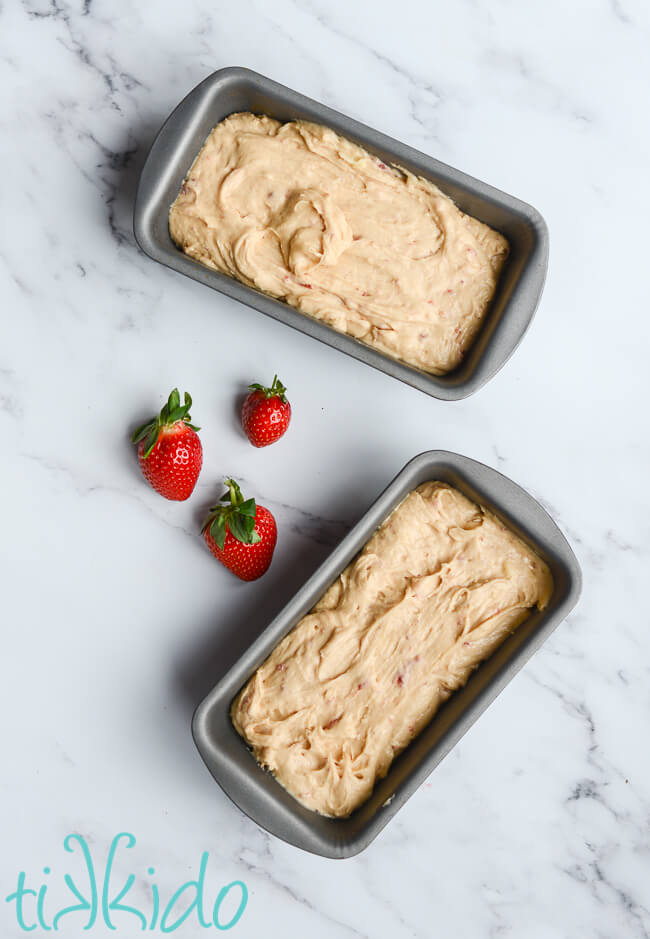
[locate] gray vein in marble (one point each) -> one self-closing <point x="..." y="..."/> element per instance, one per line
<point x="257" y="868"/>
<point x="10" y="401"/>
<point x="62" y="13"/>
<point x="593" y="875"/>
<point x="83" y="488"/>
<point x="116" y="161"/>
<point x="499" y="457"/>
<point x="592" y="555"/>
<point x="10" y="404"/>
<point x="318" y="528"/>
<point x="612" y="538"/>
<point x="603" y="769"/>
<point x="414" y="84"/>
<point x="65" y="757"/>
<point x="106" y="175"/>
<point x="514" y="62"/>
<point x="500" y="925"/>
<point x="289" y="36"/>
<point x="323" y="531"/>
<point x="591" y="789"/>
<point x="619" y="12"/>
<point x="53" y="10"/>
<point x="18" y="281"/>
<point x="391" y="908"/>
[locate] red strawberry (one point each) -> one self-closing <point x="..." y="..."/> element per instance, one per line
<point x="241" y="534"/>
<point x="266" y="413"/>
<point x="169" y="450"/>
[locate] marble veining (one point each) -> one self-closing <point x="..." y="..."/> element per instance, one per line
<point x="117" y="620"/>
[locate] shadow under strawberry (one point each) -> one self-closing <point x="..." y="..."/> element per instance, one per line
<point x="224" y="638"/>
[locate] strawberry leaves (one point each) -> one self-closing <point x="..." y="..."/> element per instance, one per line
<point x="172" y="412"/>
<point x="217" y="529"/>
<point x="235" y="514"/>
<point x="149" y="433"/>
<point x="276" y="388"/>
<point x="242" y="528"/>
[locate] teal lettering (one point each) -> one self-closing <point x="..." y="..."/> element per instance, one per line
<point x="115" y="905"/>
<point x="197" y="902"/>
<point x="80" y="907"/>
<point x="156" y="900"/>
<point x="39" y="905"/>
<point x="189" y="898"/>
<point x="223" y="893"/>
<point x="20" y="892"/>
<point x="83" y="904"/>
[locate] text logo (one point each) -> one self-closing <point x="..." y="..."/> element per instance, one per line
<point x="101" y="899"/>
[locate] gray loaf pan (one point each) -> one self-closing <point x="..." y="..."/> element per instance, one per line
<point x="237" y="89"/>
<point x="255" y="790"/>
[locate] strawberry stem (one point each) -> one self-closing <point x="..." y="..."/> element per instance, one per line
<point x="233" y="513"/>
<point x="275" y="389"/>
<point x="171" y="413"/>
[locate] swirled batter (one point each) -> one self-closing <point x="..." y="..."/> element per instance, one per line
<point x="433" y="593"/>
<point x="306" y="216"/>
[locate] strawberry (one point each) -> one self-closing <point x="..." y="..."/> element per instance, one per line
<point x="169" y="450"/>
<point x="266" y="413"/>
<point x="241" y="534"/>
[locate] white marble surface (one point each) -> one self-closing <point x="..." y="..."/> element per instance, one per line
<point x="116" y="620"/>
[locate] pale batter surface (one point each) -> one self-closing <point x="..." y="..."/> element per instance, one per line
<point x="304" y="215"/>
<point x="435" y="590"/>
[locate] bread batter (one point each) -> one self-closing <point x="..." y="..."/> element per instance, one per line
<point x="306" y="216"/>
<point x="433" y="593"/>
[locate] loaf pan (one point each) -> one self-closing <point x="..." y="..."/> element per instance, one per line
<point x="237" y="89"/>
<point x="255" y="790"/>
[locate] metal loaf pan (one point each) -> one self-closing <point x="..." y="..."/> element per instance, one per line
<point x="258" y="794"/>
<point x="237" y="89"/>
